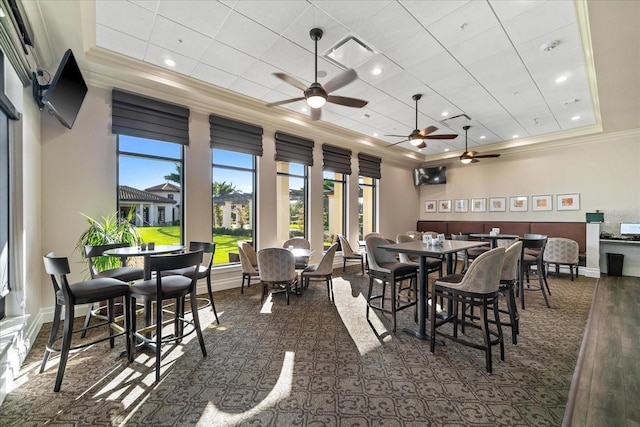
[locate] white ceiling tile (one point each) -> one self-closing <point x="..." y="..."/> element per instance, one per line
<point x="510" y="9"/>
<point x="213" y="75"/>
<point x="312" y="17"/>
<point x="262" y="73"/>
<point x="178" y="38"/>
<point x="351" y="12"/>
<point x="125" y="44"/>
<point x="541" y="20"/>
<point x="469" y="21"/>
<point x="379" y="61"/>
<point x="491" y="42"/>
<point x="226" y="58"/>
<point x="275" y="15"/>
<point x="398" y="26"/>
<point x="254" y="39"/>
<point x="291" y="58"/>
<point x="249" y="88"/>
<point x="205" y="17"/>
<point x="428" y="12"/>
<point x="422" y="47"/>
<point x="126" y="17"/>
<point x="157" y="55"/>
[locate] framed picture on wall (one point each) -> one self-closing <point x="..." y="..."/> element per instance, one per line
<point x="478" y="205"/>
<point x="430" y="206"/>
<point x="518" y="204"/>
<point x="568" y="202"/>
<point x="497" y="204"/>
<point x="444" y="206"/>
<point x="541" y="203"/>
<point x="461" y="205"/>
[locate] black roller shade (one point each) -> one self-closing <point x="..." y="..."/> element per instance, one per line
<point x="369" y="165"/>
<point x="233" y="135"/>
<point x="137" y="115"/>
<point x="336" y="159"/>
<point x="290" y="148"/>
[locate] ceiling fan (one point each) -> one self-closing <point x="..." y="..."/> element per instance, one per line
<point x="472" y="156"/>
<point x="317" y="95"/>
<point x="419" y="137"/>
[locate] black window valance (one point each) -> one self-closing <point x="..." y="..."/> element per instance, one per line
<point x="369" y="165"/>
<point x="290" y="148"/>
<point x="234" y="135"/>
<point x="336" y="159"/>
<point x="137" y="115"/>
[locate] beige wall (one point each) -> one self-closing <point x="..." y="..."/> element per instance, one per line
<point x="603" y="169"/>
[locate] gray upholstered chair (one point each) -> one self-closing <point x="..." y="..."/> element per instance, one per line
<point x="321" y="271"/>
<point x="301" y="243"/>
<point x="433" y="264"/>
<point x="348" y="254"/>
<point x="249" y="263"/>
<point x="508" y="280"/>
<point x="385" y="268"/>
<point x="561" y="251"/>
<point x="277" y="268"/>
<point x="478" y="287"/>
<point x="67" y="296"/>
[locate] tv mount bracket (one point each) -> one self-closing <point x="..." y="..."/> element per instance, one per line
<point x="38" y="89"/>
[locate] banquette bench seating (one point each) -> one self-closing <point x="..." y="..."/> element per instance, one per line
<point x="571" y="230"/>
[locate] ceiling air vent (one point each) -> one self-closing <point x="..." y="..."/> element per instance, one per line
<point x="349" y="53"/>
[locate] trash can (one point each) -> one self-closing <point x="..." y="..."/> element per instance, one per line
<point x="614" y="264"/>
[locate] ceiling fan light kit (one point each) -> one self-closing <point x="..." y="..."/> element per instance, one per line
<point x="472" y="156"/>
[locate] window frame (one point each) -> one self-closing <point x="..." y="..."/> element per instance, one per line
<point x="305" y="195"/>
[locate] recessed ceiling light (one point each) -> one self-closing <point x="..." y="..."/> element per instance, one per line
<point x="482" y="136"/>
<point x="170" y="62"/>
<point x="304" y="109"/>
<point x="561" y="79"/>
<point x="376" y="71"/>
<point x="375" y="134"/>
<point x="575" y="118"/>
<point x="445" y="113"/>
<point x="446" y="149"/>
<point x="515" y="136"/>
<point x="322" y="73"/>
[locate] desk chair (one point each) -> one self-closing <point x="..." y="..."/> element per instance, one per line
<point x="87" y="292"/>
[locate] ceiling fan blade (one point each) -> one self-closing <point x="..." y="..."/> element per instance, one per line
<point x="421" y="145"/>
<point x="292" y="81"/>
<point x="341" y="80"/>
<point x="426" y="131"/>
<point x="316" y="113"/>
<point x="442" y="136"/>
<point x="347" y="102"/>
<point x="286" y="101"/>
<point x="487" y="156"/>
<point x="474" y="160"/>
<point x="396" y="143"/>
<point x="399" y="136"/>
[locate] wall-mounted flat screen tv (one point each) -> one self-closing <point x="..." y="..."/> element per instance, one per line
<point x="430" y="176"/>
<point x="66" y="91"/>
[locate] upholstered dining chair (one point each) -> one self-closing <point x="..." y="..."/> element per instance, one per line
<point x="561" y="251"/>
<point x="433" y="264"/>
<point x="174" y="287"/>
<point x="67" y="296"/>
<point x="302" y="243"/>
<point x="321" y="271"/>
<point x="478" y="287"/>
<point x="122" y="272"/>
<point x="204" y="270"/>
<point x="348" y="254"/>
<point x="277" y="268"/>
<point x="508" y="280"/>
<point x="385" y="268"/>
<point x="249" y="263"/>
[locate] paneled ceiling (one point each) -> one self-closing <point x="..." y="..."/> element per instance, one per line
<point x="487" y="64"/>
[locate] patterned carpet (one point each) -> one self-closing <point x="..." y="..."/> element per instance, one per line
<point x="315" y="363"/>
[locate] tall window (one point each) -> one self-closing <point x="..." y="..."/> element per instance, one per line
<point x="233" y="194"/>
<point x="4" y="211"/>
<point x="367" y="206"/>
<point x="150" y="186"/>
<point x="292" y="200"/>
<point x="334" y="200"/>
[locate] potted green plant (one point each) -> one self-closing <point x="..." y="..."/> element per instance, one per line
<point x="110" y="229"/>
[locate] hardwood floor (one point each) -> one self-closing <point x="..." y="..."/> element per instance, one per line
<point x="605" y="390"/>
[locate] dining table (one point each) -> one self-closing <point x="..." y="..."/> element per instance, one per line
<point x="425" y="250"/>
<point x="494" y="237"/>
<point x="146" y="253"/>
